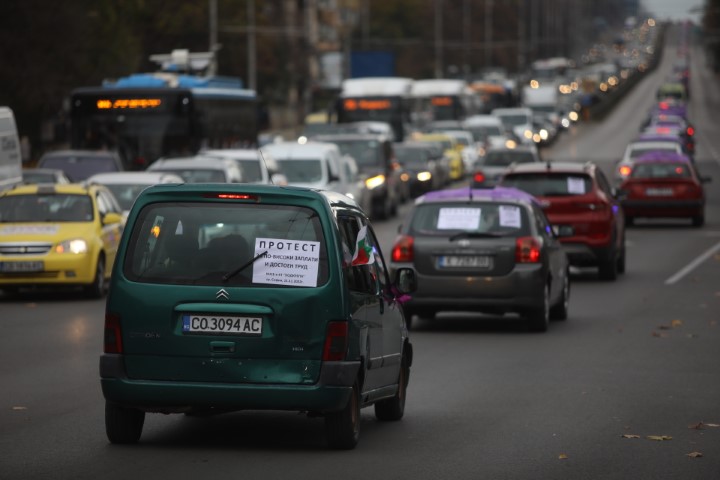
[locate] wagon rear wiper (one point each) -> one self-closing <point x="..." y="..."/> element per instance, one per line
<point x="232" y="273"/>
<point x="474" y="235"/>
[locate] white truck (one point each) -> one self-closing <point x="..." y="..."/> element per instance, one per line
<point x="10" y="156"/>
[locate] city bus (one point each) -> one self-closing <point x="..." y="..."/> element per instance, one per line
<point x="450" y="99"/>
<point x="148" y="116"/>
<point x="381" y="99"/>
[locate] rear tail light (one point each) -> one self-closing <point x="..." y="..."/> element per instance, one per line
<point x="403" y="249"/>
<point x="113" y="334"/>
<point x="479" y="177"/>
<point x="231" y="196"/>
<point x="336" y="342"/>
<point x="690" y="131"/>
<point x="527" y="250"/>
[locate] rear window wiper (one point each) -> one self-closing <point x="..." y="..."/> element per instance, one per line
<point x="474" y="235"/>
<point x="232" y="273"/>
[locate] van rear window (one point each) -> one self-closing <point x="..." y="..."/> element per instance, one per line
<point x="220" y="244"/>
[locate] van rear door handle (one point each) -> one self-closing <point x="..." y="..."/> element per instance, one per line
<point x="222" y="347"/>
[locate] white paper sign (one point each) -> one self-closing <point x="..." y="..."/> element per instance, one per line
<point x="458" y="219"/>
<point x="576" y="185"/>
<point x="287" y="262"/>
<point x="510" y="216"/>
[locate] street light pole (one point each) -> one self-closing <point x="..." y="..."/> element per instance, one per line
<point x="438" y="40"/>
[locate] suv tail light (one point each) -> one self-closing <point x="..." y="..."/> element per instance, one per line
<point x="403" y="249"/>
<point x="527" y="250"/>
<point x="690" y="131"/>
<point x="336" y="341"/>
<point x="113" y="334"/>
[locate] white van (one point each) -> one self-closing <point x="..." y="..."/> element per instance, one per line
<point x="10" y="156"/>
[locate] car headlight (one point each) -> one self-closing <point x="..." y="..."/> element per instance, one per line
<point x="76" y="245"/>
<point x="424" y="176"/>
<point x="528" y="134"/>
<point x="374" y="182"/>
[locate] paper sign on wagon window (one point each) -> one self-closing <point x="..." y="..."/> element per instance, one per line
<point x="458" y="219"/>
<point x="510" y="216"/>
<point x="576" y="185"/>
<point x="287" y="262"/>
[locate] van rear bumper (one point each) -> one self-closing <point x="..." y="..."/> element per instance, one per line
<point x="330" y="393"/>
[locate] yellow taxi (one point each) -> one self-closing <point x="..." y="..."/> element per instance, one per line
<point x="58" y="235"/>
<point x="451" y="152"/>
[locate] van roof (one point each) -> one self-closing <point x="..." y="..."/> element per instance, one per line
<point x="288" y="150"/>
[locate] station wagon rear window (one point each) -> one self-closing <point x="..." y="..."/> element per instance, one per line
<point x="491" y="218"/>
<point x="660" y="170"/>
<point x="550" y="184"/>
<point x="220" y="244"/>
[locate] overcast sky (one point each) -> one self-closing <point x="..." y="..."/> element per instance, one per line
<point x="674" y="9"/>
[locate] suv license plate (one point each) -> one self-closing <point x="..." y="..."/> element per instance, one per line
<point x="222" y="324"/>
<point x="465" y="261"/>
<point x="11" y="267"/>
<point x="659" y="192"/>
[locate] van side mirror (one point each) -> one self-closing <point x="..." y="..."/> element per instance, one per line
<point x="405" y="280"/>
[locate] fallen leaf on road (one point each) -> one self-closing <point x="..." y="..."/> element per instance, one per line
<point x="562" y="456"/>
<point x="694" y="454"/>
<point x="712" y="425"/>
<point x="628" y="435"/>
<point x="697" y="426"/>
<point x="676" y="323"/>
<point x="664" y="327"/>
<point x="659" y="438"/>
<point x="19" y="408"/>
<point x="660" y="335"/>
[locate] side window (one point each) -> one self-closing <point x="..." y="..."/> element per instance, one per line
<point x="359" y="279"/>
<point x="111" y="202"/>
<point x="603" y="183"/>
<point x="542" y="222"/>
<point x="103" y="207"/>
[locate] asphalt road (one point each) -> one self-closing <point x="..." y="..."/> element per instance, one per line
<point x="487" y="399"/>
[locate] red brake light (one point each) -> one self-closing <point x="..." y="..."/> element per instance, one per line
<point x="403" y="249"/>
<point x="479" y="177"/>
<point x="336" y="341"/>
<point x="231" y="196"/>
<point x="690" y="131"/>
<point x="527" y="250"/>
<point x="113" y="334"/>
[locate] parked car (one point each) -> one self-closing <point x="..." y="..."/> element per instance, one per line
<point x="253" y="297"/>
<point x="583" y="209"/>
<point x="490" y="168"/>
<point x="664" y="185"/>
<point x="58" y="236"/>
<point x="199" y="169"/>
<point x="374" y="156"/>
<point x="126" y="186"/>
<point x="44" y="175"/>
<point x="256" y="166"/>
<point x="78" y="165"/>
<point x="489" y="251"/>
<point x="320" y="165"/>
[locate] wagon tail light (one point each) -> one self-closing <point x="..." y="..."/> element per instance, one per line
<point x="690" y="131"/>
<point x="336" y="341"/>
<point x="479" y="177"/>
<point x="403" y="249"/>
<point x="527" y="250"/>
<point x="113" y="334"/>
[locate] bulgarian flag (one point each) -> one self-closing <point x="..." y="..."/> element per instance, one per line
<point x="363" y="251"/>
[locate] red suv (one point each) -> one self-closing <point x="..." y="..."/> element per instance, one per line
<point x="582" y="208"/>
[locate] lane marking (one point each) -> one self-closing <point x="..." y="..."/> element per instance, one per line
<point x="693" y="265"/>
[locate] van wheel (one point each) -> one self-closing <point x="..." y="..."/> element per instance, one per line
<point x="342" y="429"/>
<point x="123" y="425"/>
<point x="97" y="288"/>
<point x="393" y="408"/>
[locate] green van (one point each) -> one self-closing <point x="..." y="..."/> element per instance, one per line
<point x="228" y="297"/>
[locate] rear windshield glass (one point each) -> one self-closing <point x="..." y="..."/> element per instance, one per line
<point x="504" y="159"/>
<point x="550" y="184"/>
<point x="198" y="175"/>
<point x="80" y="168"/>
<point x="640" y="150"/>
<point x="215" y="244"/>
<point x="367" y="153"/>
<point x="660" y="170"/>
<point x="302" y="170"/>
<point x="446" y="219"/>
<point x="250" y="171"/>
<point x="480" y="133"/>
<point x="126" y="194"/>
<point x="411" y="156"/>
<point x="46" y="208"/>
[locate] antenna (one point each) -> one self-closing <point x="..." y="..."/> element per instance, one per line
<point x="262" y="157"/>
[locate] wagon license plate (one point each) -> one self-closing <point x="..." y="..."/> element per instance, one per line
<point x="27" y="266"/>
<point x="659" y="192"/>
<point x="465" y="261"/>
<point x="222" y="324"/>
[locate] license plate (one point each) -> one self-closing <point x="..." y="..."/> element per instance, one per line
<point x="222" y="324"/>
<point x="659" y="192"/>
<point x="28" y="266"/>
<point x="465" y="261"/>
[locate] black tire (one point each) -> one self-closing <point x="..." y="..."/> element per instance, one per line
<point x="621" y="260"/>
<point x="559" y="311"/>
<point x="539" y="318"/>
<point x="608" y="269"/>
<point x="393" y="409"/>
<point x="629" y="221"/>
<point x="342" y="429"/>
<point x="97" y="288"/>
<point x="123" y="425"/>
<point x="698" y="221"/>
